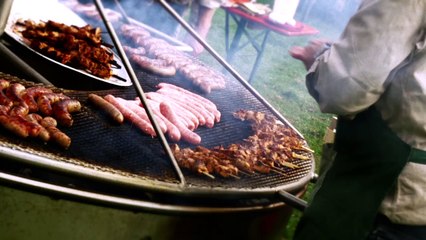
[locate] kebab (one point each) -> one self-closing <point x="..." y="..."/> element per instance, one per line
<point x="79" y="47"/>
<point x="272" y="147"/>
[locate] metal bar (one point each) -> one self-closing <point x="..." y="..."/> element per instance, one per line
<point x="138" y="89"/>
<point x="21" y="65"/>
<point x="5" y="7"/>
<point x="225" y="64"/>
<point x="121" y="10"/>
<point x="8" y="55"/>
<point x="118" y="201"/>
<point x="293" y="201"/>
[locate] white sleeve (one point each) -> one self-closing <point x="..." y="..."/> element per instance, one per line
<point x="354" y="72"/>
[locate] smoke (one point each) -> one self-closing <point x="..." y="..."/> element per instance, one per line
<point x="329" y="16"/>
<point x="152" y="13"/>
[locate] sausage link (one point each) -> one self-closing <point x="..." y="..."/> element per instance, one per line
<point x="143" y="125"/>
<point x="197" y="98"/>
<point x="140" y="111"/>
<point x="106" y="106"/>
<point x="187" y="135"/>
<point x="44" y="134"/>
<point x="31" y="94"/>
<point x="62" y="111"/>
<point x="188" y="117"/>
<point x="172" y="131"/>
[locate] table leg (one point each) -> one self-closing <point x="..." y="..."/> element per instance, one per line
<point x="259" y="57"/>
<point x="236" y="40"/>
<point x="227" y="33"/>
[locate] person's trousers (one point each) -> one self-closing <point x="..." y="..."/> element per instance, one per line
<point x="384" y="229"/>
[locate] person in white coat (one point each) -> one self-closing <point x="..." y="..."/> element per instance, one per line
<point x="374" y="78"/>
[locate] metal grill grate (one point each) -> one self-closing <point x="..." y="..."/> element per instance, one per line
<point x="104" y="145"/>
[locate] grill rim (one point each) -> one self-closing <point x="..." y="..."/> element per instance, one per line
<point x="150" y="184"/>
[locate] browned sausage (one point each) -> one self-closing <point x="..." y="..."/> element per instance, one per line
<point x="4" y="100"/>
<point x="20" y="126"/>
<point x="48" y="122"/>
<point x="156" y="66"/>
<point x="13" y="125"/>
<point x="14" y="91"/>
<point x="106" y="106"/>
<point x="45" y="102"/>
<point x="44" y="134"/>
<point x="31" y="94"/>
<point x="59" y="137"/>
<point x="19" y="110"/>
<point x="56" y="135"/>
<point x="62" y="111"/>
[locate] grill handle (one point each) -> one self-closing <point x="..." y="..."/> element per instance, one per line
<point x="292" y="200"/>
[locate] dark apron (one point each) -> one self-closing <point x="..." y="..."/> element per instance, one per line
<point x="368" y="161"/>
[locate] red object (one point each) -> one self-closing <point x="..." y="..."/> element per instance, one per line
<point x="286" y="29"/>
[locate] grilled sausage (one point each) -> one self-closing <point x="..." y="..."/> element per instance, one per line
<point x="192" y="105"/>
<point x="62" y="111"/>
<point x="48" y="122"/>
<point x="156" y="66"/>
<point x="145" y="126"/>
<point x="19" y="110"/>
<point x="20" y="126"/>
<point x="140" y="111"/>
<point x="45" y="102"/>
<point x="31" y="94"/>
<point x="4" y="100"/>
<point x="14" y="125"/>
<point x="44" y="134"/>
<point x="190" y="120"/>
<point x="196" y="98"/>
<point x="56" y="135"/>
<point x="14" y="91"/>
<point x="172" y="131"/>
<point x="49" y="131"/>
<point x="106" y="106"/>
<point x="187" y="135"/>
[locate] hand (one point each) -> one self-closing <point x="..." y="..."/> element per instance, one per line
<point x="308" y="53"/>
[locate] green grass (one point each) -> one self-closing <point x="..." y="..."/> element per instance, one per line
<point x="280" y="79"/>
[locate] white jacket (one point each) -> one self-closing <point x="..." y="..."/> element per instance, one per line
<point x="380" y="60"/>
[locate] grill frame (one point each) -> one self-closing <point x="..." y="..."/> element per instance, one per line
<point x="37" y="154"/>
<point x="237" y="92"/>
